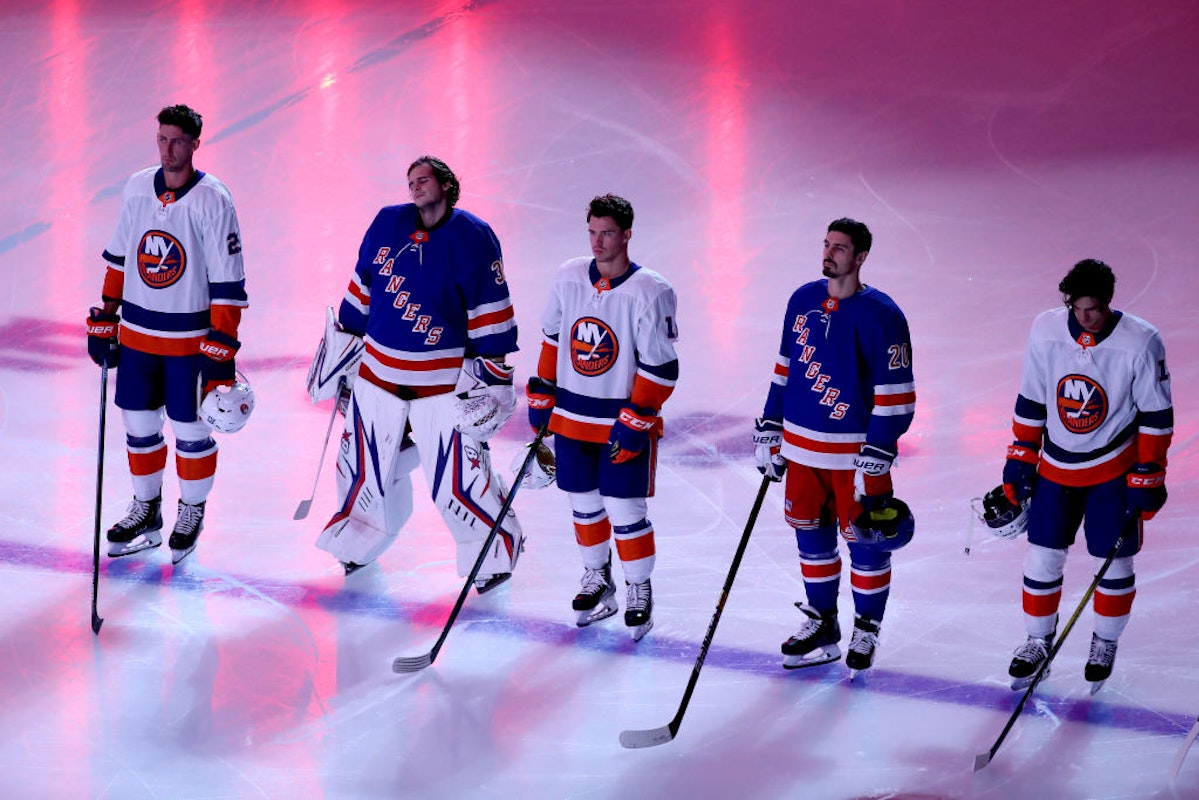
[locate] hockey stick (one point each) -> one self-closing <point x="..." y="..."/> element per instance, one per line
<point x="417" y="663"/>
<point x="657" y="736"/>
<point x="1182" y="751"/>
<point x="96" y="620"/>
<point x="305" y="505"/>
<point x="982" y="759"/>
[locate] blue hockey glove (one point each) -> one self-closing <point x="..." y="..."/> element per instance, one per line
<point x="102" y="342"/>
<point x="1020" y="471"/>
<point x="1146" y="490"/>
<point x="768" y="447"/>
<point x="540" y="394"/>
<point x="218" y="369"/>
<point x="630" y="433"/>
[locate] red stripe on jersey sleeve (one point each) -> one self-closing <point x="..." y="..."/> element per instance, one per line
<point x="114" y="284"/>
<point x="547" y="362"/>
<point x="1151" y="448"/>
<point x="492" y="318"/>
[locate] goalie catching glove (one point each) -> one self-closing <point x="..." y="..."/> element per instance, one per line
<point x="482" y="410"/>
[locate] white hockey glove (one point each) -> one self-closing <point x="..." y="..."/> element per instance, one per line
<point x="768" y="446"/>
<point x="337" y="357"/>
<point x="481" y="411"/>
<point x="542" y="470"/>
<point x="872" y="473"/>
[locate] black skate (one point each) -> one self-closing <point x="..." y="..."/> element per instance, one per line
<point x="815" y="642"/>
<point x="139" y="530"/>
<point x="350" y="567"/>
<point x="188" y="525"/>
<point x="596" y="599"/>
<point x="1100" y="661"/>
<point x="862" y="645"/>
<point x="1029" y="658"/>
<point x="639" y="608"/>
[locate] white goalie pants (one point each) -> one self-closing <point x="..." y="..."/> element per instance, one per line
<point x="375" y="490"/>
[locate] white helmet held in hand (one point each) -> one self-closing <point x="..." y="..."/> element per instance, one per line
<point x="227" y="408"/>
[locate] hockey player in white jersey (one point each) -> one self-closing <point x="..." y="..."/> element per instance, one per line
<point x="429" y="304"/>
<point x="174" y="269"/>
<point x="1092" y="424"/>
<point x="607" y="365"/>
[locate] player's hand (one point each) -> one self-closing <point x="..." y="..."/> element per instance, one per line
<point x="219" y="368"/>
<point x="768" y="448"/>
<point x="1020" y="471"/>
<point x="1146" y="490"/>
<point x="872" y="471"/>
<point x="102" y="337"/>
<point x="540" y="394"/>
<point x="630" y="433"/>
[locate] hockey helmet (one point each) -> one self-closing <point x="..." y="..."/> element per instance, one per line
<point x="1005" y="519"/>
<point x="889" y="526"/>
<point x="543" y="469"/>
<point x="227" y="408"/>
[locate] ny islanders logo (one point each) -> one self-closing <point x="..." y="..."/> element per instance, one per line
<point x="593" y="346"/>
<point x="1081" y="403"/>
<point x="160" y="259"/>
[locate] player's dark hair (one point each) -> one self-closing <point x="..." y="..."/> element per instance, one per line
<point x="857" y="232"/>
<point x="613" y="206"/>
<point x="184" y="118"/>
<point x="1088" y="278"/>
<point x="445" y="176"/>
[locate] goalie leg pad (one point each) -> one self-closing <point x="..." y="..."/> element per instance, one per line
<point x="465" y="489"/>
<point x="374" y="490"/>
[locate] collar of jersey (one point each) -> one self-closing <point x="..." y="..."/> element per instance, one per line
<point x="160" y="185"/>
<point x="593" y="274"/>
<point x="1076" y="329"/>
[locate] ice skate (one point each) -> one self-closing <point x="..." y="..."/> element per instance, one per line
<point x="188" y="525"/>
<point x="485" y="583"/>
<point x="862" y="646"/>
<point x="639" y="608"/>
<point x="1100" y="662"/>
<point x="1028" y="659"/>
<point x="815" y="642"/>
<point x="596" y="599"/>
<point x="350" y="567"/>
<point x="141" y="528"/>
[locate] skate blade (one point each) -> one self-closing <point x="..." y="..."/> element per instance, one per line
<point x="1097" y="685"/>
<point x="1020" y="684"/>
<point x="595" y="615"/>
<point x="179" y="555"/>
<point x="637" y="631"/>
<point x="143" y="542"/>
<point x="853" y="673"/>
<point x="485" y="585"/>
<point x="823" y="655"/>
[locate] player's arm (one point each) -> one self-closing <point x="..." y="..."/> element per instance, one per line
<point x="768" y="428"/>
<point x="227" y="299"/>
<point x="1155" y="430"/>
<point x="893" y="398"/>
<point x="657" y="372"/>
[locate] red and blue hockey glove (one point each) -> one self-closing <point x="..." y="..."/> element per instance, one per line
<point x="540" y="394"/>
<point x="102" y="343"/>
<point x="218" y="369"/>
<point x="1146" y="490"/>
<point x="768" y="448"/>
<point x="630" y="433"/>
<point x="1020" y="471"/>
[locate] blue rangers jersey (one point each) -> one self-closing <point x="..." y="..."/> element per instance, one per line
<point x="843" y="376"/>
<point x="425" y="300"/>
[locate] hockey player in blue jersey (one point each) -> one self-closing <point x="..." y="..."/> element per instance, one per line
<point x="841" y="395"/>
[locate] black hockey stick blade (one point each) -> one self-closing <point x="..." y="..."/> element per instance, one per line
<point x="97" y="621"/>
<point x="656" y="736"/>
<point x="417" y="663"/>
<point x="1179" y="757"/>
